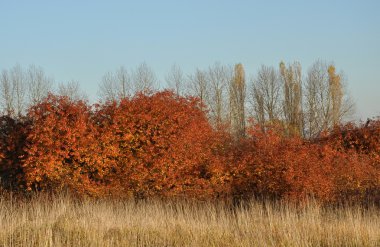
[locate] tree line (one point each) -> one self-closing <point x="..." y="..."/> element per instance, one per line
<point x="214" y="135"/>
<point x="20" y="88"/>
<point x="305" y="104"/>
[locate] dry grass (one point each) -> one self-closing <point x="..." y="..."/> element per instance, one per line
<point x="63" y="221"/>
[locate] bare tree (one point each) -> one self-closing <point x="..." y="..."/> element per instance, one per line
<point x="124" y="83"/>
<point x="198" y="85"/>
<point x="324" y="95"/>
<point x="257" y="100"/>
<point x="13" y="91"/>
<point x="108" y="87"/>
<point x="71" y="90"/>
<point x="237" y="101"/>
<point x="219" y="77"/>
<point x="19" y="89"/>
<point x="6" y="93"/>
<point x="116" y="85"/>
<point x="38" y="83"/>
<point x="326" y="100"/>
<point x="175" y="79"/>
<point x="144" y="78"/>
<point x="317" y="100"/>
<point x="292" y="105"/>
<point x="347" y="104"/>
<point x="265" y="96"/>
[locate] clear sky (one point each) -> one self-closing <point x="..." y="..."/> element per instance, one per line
<point x="82" y="40"/>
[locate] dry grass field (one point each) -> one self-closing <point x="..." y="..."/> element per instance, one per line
<point x="63" y="221"/>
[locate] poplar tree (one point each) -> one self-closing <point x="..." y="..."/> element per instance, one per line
<point x="237" y="101"/>
<point x="292" y="105"/>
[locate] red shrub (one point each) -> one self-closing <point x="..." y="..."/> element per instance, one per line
<point x="62" y="149"/>
<point x="12" y="140"/>
<point x="162" y="144"/>
<point x="271" y="164"/>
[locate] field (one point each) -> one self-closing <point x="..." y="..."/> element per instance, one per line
<point x="62" y="220"/>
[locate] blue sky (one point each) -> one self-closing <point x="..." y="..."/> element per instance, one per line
<point x="82" y="40"/>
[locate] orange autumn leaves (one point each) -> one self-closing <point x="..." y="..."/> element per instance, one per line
<point x="327" y="169"/>
<point x="61" y="148"/>
<point x="163" y="145"/>
<point x="144" y="146"/>
<point x="160" y="144"/>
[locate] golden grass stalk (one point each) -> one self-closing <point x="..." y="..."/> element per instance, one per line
<point x="61" y="220"/>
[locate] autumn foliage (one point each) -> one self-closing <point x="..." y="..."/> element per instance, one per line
<point x="162" y="145"/>
<point x="274" y="165"/>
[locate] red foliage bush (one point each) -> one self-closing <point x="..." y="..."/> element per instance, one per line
<point x="145" y="146"/>
<point x="163" y="145"/>
<point x="12" y="141"/>
<point x="272" y="165"/>
<point x="359" y="174"/>
<point x="61" y="148"/>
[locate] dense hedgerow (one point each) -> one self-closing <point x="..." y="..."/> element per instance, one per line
<point x="162" y="145"/>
